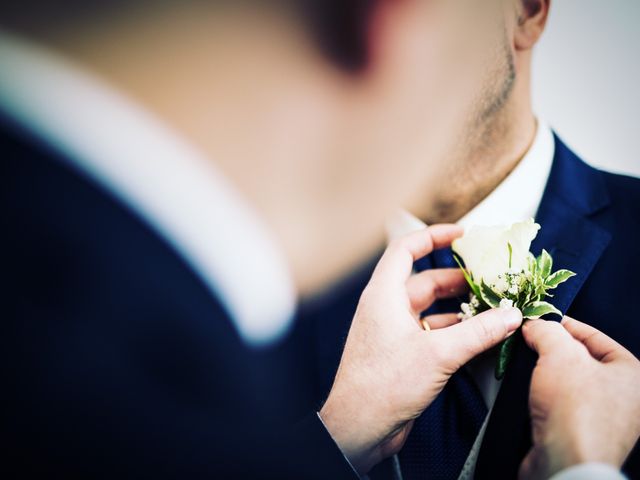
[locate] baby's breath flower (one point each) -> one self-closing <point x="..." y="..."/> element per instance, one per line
<point x="467" y="311"/>
<point x="474" y="302"/>
<point x="502" y="285"/>
<point x="506" y="303"/>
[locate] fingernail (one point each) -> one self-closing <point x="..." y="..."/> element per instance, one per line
<point x="512" y="318"/>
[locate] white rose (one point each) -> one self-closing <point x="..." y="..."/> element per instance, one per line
<point x="485" y="250"/>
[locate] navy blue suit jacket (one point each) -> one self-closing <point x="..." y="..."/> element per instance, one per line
<point x="591" y="225"/>
<point x="116" y="361"/>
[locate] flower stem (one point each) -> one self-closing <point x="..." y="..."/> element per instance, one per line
<point x="506" y="352"/>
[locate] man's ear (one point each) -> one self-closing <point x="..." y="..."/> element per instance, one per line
<point x="532" y="19"/>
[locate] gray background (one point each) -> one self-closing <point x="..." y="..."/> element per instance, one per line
<point x="586" y="80"/>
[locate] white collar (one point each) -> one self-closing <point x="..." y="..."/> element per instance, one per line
<point x="170" y="184"/>
<point x="516" y="199"/>
<point x="518" y="196"/>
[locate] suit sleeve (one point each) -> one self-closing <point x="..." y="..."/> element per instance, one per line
<point x="315" y="449"/>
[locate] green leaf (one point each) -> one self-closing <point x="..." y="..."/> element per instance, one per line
<point x="545" y="264"/>
<point x="533" y="264"/>
<point x="558" y="277"/>
<point x="538" y="309"/>
<point x="490" y="297"/>
<point x="474" y="288"/>
<point x="540" y="290"/>
<point x="504" y="357"/>
<point x="510" y="253"/>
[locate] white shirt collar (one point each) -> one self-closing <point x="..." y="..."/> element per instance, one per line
<point x="516" y="199"/>
<point x="168" y="182"/>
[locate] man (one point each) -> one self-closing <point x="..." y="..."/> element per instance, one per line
<point x="509" y="167"/>
<point x="169" y="175"/>
<point x="144" y="294"/>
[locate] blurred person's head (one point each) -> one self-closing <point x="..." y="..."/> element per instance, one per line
<point x="326" y="114"/>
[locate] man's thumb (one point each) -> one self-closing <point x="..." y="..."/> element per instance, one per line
<point x="545" y="337"/>
<point x="469" y="338"/>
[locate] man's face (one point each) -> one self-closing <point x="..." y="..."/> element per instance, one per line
<point x="437" y="69"/>
<point x="356" y="146"/>
<point x="433" y="82"/>
<point x="486" y="116"/>
<point x="478" y="72"/>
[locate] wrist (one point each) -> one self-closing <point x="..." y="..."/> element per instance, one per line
<point x="601" y="471"/>
<point x="587" y="448"/>
<point x="546" y="461"/>
<point x="351" y="436"/>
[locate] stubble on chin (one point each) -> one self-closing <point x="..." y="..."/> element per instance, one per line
<point x="472" y="173"/>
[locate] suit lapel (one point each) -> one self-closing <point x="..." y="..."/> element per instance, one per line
<point x="574" y="192"/>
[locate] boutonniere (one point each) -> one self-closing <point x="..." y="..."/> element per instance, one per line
<point x="502" y="272"/>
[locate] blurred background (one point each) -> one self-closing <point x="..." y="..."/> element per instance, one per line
<point x="586" y="80"/>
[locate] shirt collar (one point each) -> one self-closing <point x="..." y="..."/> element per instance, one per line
<point x="171" y="185"/>
<point x="516" y="199"/>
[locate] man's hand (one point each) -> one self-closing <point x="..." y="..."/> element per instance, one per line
<point x="584" y="400"/>
<point x="394" y="364"/>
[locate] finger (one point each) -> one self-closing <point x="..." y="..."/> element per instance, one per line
<point x="528" y="465"/>
<point x="546" y="337"/>
<point x="396" y="263"/>
<point x="461" y="342"/>
<point x="425" y="287"/>
<point x="440" y="320"/>
<point x="600" y="346"/>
